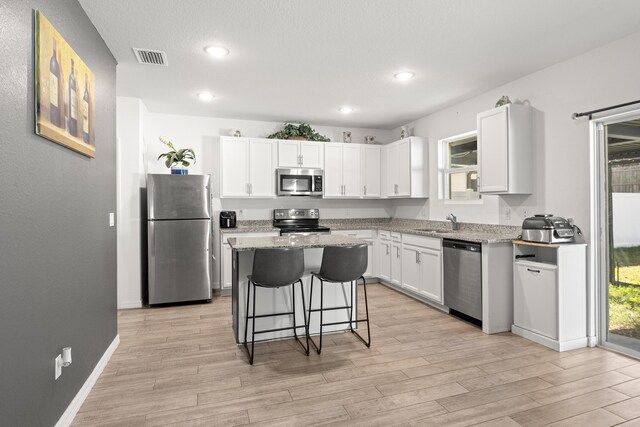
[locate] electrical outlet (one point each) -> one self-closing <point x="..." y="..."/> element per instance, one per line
<point x="525" y="213"/>
<point x="507" y="214"/>
<point x="58" y="365"/>
<point x="112" y="219"/>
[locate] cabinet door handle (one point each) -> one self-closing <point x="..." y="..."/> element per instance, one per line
<point x="365" y="190"/>
<point x="387" y="247"/>
<point x="418" y="256"/>
<point x="397" y="251"/>
<point x="533" y="271"/>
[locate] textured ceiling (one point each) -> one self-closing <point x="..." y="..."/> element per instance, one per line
<point x="300" y="60"/>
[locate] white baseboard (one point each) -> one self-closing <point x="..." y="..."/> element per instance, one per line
<point x="70" y="413"/>
<point x="129" y="304"/>
<point x="551" y="343"/>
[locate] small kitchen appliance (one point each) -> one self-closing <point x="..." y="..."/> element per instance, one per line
<point x="227" y="219"/>
<point x="546" y="228"/>
<point x="299" y="182"/>
<point x="301" y="222"/>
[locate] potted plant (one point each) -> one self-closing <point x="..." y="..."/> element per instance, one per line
<point x="177" y="160"/>
<point x="301" y="132"/>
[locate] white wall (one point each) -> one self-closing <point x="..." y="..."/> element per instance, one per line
<point x="626" y="231"/>
<point x="130" y="114"/>
<point x="599" y="78"/>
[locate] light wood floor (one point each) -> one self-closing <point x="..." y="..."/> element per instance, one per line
<point x="180" y="366"/>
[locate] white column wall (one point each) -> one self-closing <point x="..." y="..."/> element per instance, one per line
<point x="130" y="175"/>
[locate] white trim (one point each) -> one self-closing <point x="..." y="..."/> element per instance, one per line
<point x="129" y="304"/>
<point x="597" y="309"/>
<point x="70" y="413"/>
<point x="549" y="342"/>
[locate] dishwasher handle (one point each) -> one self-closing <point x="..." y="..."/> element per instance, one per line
<point x="461" y="245"/>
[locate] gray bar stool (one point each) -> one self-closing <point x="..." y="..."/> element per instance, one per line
<point x="276" y="268"/>
<point x="341" y="264"/>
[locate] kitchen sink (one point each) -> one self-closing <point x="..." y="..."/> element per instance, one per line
<point x="428" y="230"/>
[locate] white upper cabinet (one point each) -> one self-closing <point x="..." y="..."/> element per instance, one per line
<point x="407" y="168"/>
<point x="370" y="155"/>
<point x="262" y="158"/>
<point x="247" y="167"/>
<point x="342" y="170"/>
<point x="505" y="150"/>
<point x="300" y="154"/>
<point x="234" y="167"/>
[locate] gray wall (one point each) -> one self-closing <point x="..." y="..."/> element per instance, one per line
<point x="57" y="253"/>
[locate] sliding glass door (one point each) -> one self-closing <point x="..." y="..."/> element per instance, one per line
<point x="620" y="281"/>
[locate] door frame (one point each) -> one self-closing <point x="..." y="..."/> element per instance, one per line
<point x="597" y="295"/>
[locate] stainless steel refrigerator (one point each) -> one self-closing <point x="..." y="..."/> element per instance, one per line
<point x="179" y="238"/>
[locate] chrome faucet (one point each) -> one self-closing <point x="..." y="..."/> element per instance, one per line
<point x="454" y="221"/>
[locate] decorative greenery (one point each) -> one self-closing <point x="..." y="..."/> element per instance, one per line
<point x="302" y="130"/>
<point x="175" y="156"/>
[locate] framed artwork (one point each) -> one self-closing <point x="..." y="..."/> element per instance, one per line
<point x="65" y="91"/>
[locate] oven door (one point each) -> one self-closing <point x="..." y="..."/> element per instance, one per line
<point x="296" y="182"/>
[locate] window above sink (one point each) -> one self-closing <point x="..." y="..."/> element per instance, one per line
<point x="458" y="168"/>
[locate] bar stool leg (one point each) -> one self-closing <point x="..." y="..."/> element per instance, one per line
<point x="304" y="317"/>
<point x="246" y="314"/>
<point x="309" y="339"/>
<point x="321" y="311"/>
<point x="366" y="309"/>
<point x="350" y="309"/>
<point x="253" y="327"/>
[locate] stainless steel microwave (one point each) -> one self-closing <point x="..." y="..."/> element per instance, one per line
<point x="299" y="182"/>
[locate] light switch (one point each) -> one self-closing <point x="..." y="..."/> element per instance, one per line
<point x="112" y="219"/>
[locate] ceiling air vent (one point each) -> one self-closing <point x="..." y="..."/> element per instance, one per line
<point x="152" y="57"/>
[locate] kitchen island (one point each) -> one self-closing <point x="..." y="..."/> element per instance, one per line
<point x="278" y="300"/>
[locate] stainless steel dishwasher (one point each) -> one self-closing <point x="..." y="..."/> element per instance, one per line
<point x="463" y="279"/>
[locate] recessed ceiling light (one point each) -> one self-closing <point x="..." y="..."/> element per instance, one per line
<point x="404" y="76"/>
<point x="345" y="110"/>
<point x="217" y="51"/>
<point x="205" y="96"/>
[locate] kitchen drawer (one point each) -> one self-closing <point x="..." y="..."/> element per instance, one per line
<point x="385" y="235"/>
<point x="535" y="297"/>
<point x="396" y="237"/>
<point x="358" y="234"/>
<point x="422" y="241"/>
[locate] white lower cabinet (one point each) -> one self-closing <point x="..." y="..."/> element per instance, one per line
<point x="534" y="296"/>
<point x="384" y="256"/>
<point x="395" y="275"/>
<point x="226" y="256"/>
<point x="422" y="266"/>
<point x="369" y="236"/>
<point x="549" y="294"/>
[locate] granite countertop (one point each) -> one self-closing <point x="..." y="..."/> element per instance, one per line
<point x="305" y="242"/>
<point x="479" y="233"/>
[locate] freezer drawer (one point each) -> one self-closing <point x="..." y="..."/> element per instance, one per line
<point x="179" y="261"/>
<point x="178" y="196"/>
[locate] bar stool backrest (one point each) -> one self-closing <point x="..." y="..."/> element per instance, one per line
<point x="343" y="263"/>
<point x="273" y="268"/>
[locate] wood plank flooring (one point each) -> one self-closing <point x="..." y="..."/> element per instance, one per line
<point x="180" y="366"/>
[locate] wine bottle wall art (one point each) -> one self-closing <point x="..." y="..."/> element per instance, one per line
<point x="65" y="91"/>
